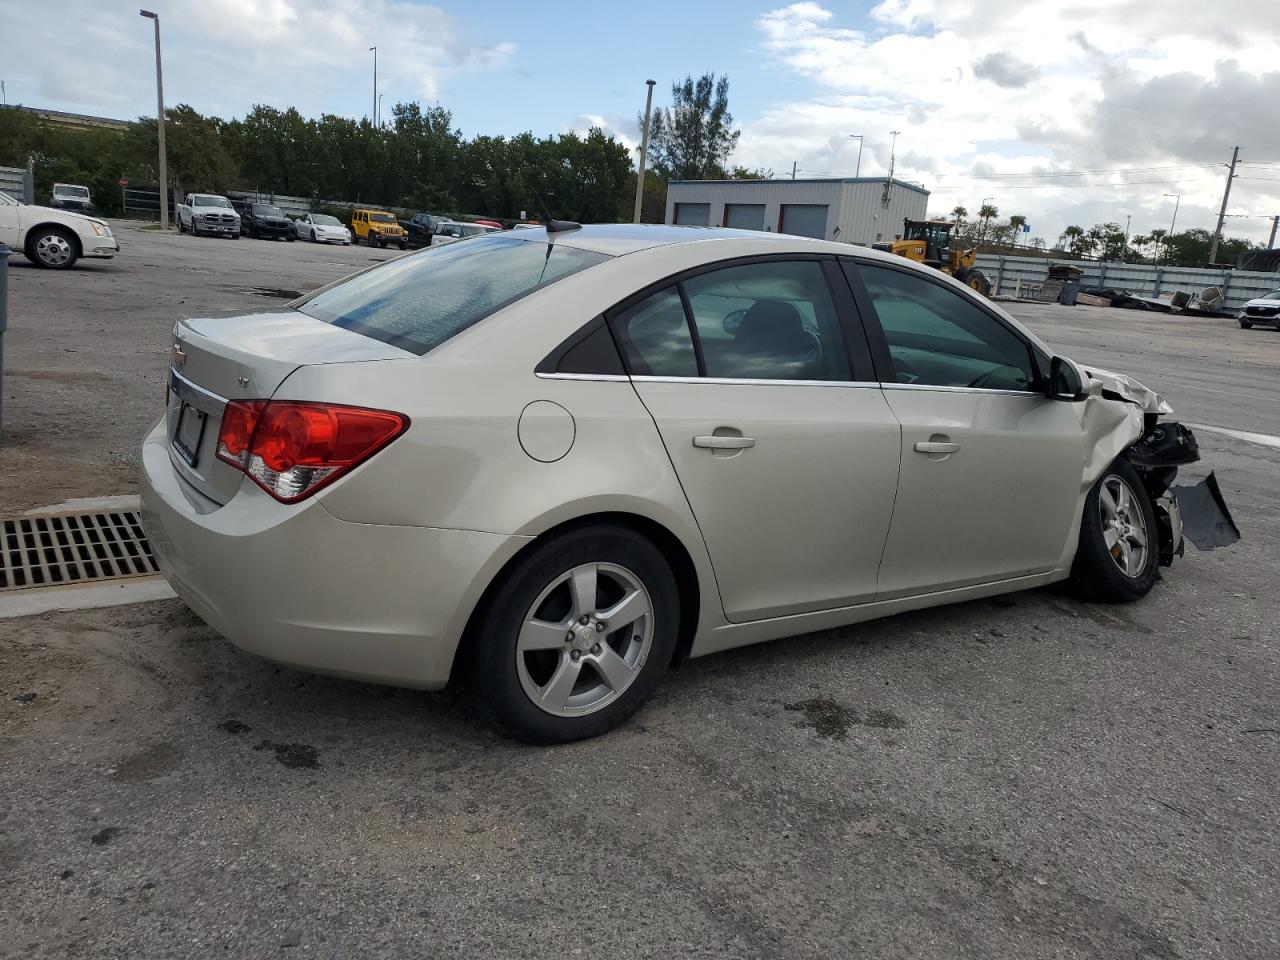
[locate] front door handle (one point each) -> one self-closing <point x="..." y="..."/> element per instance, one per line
<point x="724" y="443"/>
<point x="936" y="446"/>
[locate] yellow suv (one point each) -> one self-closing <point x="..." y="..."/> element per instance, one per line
<point x="377" y="228"/>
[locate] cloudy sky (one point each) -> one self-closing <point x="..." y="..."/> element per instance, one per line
<point x="1066" y="111"/>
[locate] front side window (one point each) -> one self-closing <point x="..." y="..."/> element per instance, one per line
<point x="938" y="338"/>
<point x="655" y="337"/>
<point x="420" y="301"/>
<point x="771" y="320"/>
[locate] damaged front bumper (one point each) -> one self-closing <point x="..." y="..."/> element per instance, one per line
<point x="1198" y="511"/>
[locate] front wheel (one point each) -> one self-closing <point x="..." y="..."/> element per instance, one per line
<point x="977" y="280"/>
<point x="1248" y="326"/>
<point x="578" y="635"/>
<point x="1118" y="558"/>
<point x="404" y="245"/>
<point x="53" y="248"/>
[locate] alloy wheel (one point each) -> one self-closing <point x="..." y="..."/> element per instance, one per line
<point x="1124" y="526"/>
<point x="585" y="639"/>
<point x="53" y="249"/>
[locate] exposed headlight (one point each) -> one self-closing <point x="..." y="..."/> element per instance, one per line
<point x="100" y="229"/>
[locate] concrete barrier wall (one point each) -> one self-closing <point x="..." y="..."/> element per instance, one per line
<point x="1237" y="286"/>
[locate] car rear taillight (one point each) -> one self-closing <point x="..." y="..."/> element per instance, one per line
<point x="292" y="449"/>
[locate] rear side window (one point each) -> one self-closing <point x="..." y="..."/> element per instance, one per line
<point x="418" y="302"/>
<point x="773" y="320"/>
<point x="655" y="336"/>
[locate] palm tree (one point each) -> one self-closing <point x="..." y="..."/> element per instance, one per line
<point x="986" y="213"/>
<point x="958" y="214"/>
<point x="1016" y="223"/>
<point x="1139" y="243"/>
<point x="1159" y="240"/>
<point x="1075" y="240"/>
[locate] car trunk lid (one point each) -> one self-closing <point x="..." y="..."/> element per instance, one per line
<point x="246" y="357"/>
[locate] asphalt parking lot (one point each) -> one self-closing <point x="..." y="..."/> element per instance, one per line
<point x="1021" y="777"/>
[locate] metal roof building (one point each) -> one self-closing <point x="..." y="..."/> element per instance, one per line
<point x="853" y="209"/>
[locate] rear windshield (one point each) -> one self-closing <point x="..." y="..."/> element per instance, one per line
<point x="418" y="302"/>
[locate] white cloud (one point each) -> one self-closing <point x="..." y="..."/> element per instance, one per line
<point x="223" y="55"/>
<point x="1017" y="87"/>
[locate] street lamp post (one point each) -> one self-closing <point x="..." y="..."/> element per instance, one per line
<point x="644" y="152"/>
<point x="164" y="173"/>
<point x="857" y="169"/>
<point x="1177" y="200"/>
<point x="374" y="116"/>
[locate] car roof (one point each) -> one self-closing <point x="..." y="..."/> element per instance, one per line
<point x="619" y="239"/>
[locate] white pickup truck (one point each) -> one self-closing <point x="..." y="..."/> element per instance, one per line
<point x="208" y="213"/>
<point x="50" y="238"/>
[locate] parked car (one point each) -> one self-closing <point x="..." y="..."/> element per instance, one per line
<point x="571" y="460"/>
<point x="266" y="220"/>
<point x="54" y="239"/>
<point x="421" y="228"/>
<point x="321" y="228"/>
<point x="496" y="224"/>
<point x="71" y="196"/>
<point x="377" y="228"/>
<point x="1262" y="311"/>
<point x="208" y="213"/>
<point x="451" y="231"/>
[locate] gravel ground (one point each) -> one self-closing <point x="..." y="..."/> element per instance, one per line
<point x="1022" y="777"/>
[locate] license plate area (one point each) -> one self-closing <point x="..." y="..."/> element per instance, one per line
<point x="188" y="433"/>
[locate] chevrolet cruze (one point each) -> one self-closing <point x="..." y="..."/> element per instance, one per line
<point x="568" y="459"/>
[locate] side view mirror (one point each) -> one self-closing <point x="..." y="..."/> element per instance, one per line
<point x="1065" y="382"/>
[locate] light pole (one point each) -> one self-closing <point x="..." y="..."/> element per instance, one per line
<point x="1177" y="200"/>
<point x="857" y="169"/>
<point x="374" y="115"/>
<point x="1128" y="222"/>
<point x="644" y="151"/>
<point x="379" y="110"/>
<point x="164" y="173"/>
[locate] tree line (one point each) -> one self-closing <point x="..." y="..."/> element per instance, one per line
<point x="419" y="159"/>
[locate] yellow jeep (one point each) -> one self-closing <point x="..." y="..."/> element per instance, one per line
<point x="377" y="228"/>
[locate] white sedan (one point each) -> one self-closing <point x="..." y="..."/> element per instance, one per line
<point x="570" y="459"/>
<point x="322" y="228"/>
<point x="51" y="238"/>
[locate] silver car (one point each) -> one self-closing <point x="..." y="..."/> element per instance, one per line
<point x="569" y="460"/>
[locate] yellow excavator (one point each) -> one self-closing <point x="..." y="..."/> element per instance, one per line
<point x="929" y="242"/>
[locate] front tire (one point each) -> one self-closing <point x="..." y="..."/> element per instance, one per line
<point x="577" y="635"/>
<point x="1118" y="559"/>
<point x="53" y="248"/>
<point x="1249" y="326"/>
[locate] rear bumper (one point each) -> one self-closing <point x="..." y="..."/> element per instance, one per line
<point x="294" y="584"/>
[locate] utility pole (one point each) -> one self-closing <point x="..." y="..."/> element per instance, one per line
<point x="793" y="168"/>
<point x="1128" y="221"/>
<point x="644" y="150"/>
<point x="1222" y="214"/>
<point x="374" y="116"/>
<point x="1177" y="199"/>
<point x="1275" y="222"/>
<point x="164" y="173"/>
<point x="857" y="170"/>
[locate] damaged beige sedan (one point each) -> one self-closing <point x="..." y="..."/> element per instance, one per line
<point x="568" y="458"/>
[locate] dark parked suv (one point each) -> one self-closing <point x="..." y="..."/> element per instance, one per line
<point x="265" y="220"/>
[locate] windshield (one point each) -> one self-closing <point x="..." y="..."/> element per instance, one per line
<point x="1273" y="295"/>
<point x="210" y="202"/>
<point x="62" y="190"/>
<point x="382" y="218"/>
<point x="418" y="302"/>
<point x="266" y="210"/>
<point x="323" y="220"/>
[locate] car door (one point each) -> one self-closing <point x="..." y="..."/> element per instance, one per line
<point x="760" y="384"/>
<point x="991" y="467"/>
<point x="10" y="223"/>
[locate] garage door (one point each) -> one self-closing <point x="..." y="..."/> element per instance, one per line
<point x="804" y="219"/>
<point x="744" y="216"/>
<point x="693" y="214"/>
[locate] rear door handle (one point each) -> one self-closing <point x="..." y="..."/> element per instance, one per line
<point x="724" y="443"/>
<point x="936" y="446"/>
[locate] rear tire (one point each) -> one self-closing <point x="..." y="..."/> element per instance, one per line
<point x="544" y="672"/>
<point x="1118" y="558"/>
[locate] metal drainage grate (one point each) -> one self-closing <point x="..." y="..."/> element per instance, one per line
<point x="49" y="550"/>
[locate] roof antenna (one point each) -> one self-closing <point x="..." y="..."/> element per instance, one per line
<point x="553" y="225"/>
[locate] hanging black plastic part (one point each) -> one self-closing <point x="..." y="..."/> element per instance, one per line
<point x="551" y="223"/>
<point x="1206" y="521"/>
